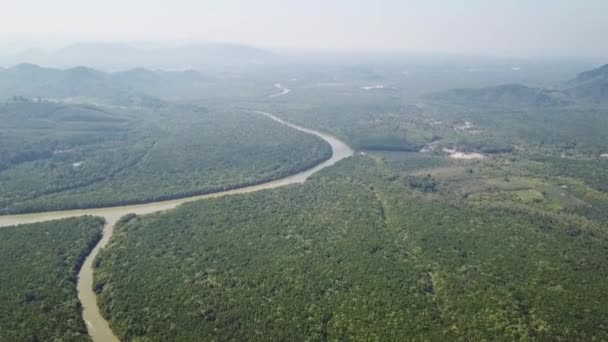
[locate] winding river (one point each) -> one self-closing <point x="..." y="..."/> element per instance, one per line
<point x="284" y="91"/>
<point x="97" y="326"/>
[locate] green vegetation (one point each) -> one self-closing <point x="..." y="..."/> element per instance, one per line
<point x="508" y="95"/>
<point x="57" y="156"/>
<point x="130" y="87"/>
<point x="490" y="120"/>
<point x="38" y="273"/>
<point x="366" y="123"/>
<point x="393" y="244"/>
<point x="593" y="172"/>
<point x="411" y="162"/>
<point x="362" y="251"/>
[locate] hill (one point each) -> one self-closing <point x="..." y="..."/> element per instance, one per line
<point x="113" y="56"/>
<point x="30" y="80"/>
<point x="590" y="85"/>
<point x="594" y="74"/>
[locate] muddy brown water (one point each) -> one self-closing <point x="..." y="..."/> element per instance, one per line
<point x="97" y="326"/>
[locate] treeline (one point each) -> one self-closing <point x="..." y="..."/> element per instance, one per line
<point x="38" y="275"/>
<point x="388" y="143"/>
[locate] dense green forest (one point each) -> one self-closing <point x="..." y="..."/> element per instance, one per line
<point x="58" y="156"/>
<point x="489" y="120"/>
<point x="38" y="273"/>
<point x="404" y="241"/>
<point x="366" y="250"/>
<point x="383" y="121"/>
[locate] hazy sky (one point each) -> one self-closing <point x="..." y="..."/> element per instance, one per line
<point x="508" y="27"/>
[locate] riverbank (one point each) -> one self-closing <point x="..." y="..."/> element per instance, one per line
<point x="96" y="324"/>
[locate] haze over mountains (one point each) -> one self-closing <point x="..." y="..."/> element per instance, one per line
<point x="119" y="56"/>
<point x="30" y="80"/>
<point x="588" y="87"/>
<point x="591" y="85"/>
<point x="284" y="170"/>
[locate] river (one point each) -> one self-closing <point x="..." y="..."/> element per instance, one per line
<point x="284" y="90"/>
<point x="97" y="326"/>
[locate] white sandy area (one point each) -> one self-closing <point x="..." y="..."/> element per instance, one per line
<point x="455" y="154"/>
<point x="377" y="86"/>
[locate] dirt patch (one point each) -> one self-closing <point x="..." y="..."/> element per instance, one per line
<point x="455" y="154"/>
<point x="377" y="86"/>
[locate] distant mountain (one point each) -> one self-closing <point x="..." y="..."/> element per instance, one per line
<point x="594" y="74"/>
<point x="590" y="85"/>
<point x="32" y="81"/>
<point x="112" y="57"/>
<point x="154" y="82"/>
<point x="508" y="95"/>
<point x="26" y="72"/>
<point x="137" y="79"/>
<point x="21" y="80"/>
<point x="85" y="53"/>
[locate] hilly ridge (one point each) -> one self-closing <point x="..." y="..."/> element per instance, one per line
<point x="120" y="56"/>
<point x="30" y="80"/>
<point x="588" y="86"/>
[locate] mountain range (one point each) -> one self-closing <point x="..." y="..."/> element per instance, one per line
<point x="32" y="81"/>
<point x="118" y="56"/>
<point x="588" y="87"/>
